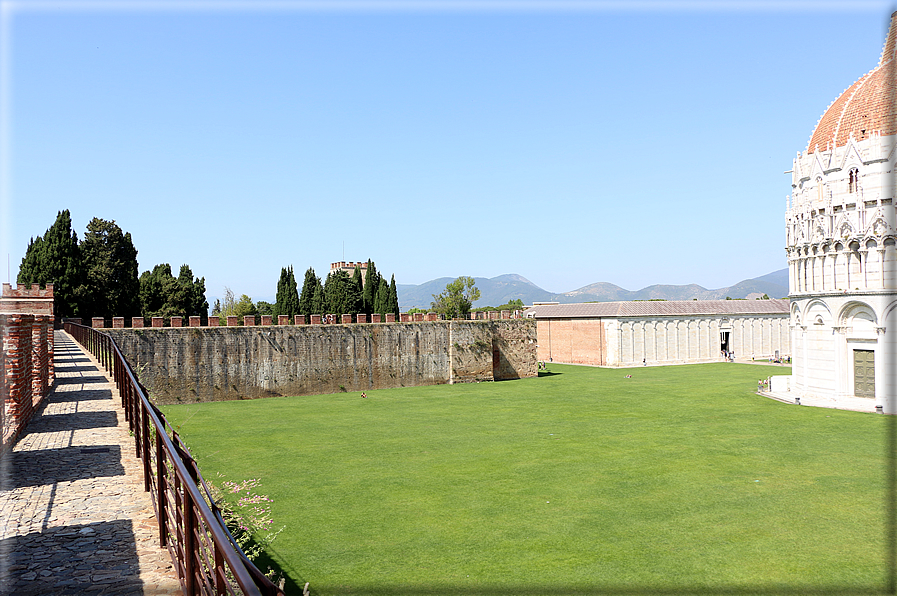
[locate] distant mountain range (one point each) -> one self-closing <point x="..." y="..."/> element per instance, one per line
<point x="500" y="290"/>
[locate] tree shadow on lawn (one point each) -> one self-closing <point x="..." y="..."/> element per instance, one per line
<point x="548" y="373"/>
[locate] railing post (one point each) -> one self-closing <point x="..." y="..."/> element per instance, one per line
<point x="160" y="490"/>
<point x="147" y="470"/>
<point x="189" y="544"/>
<point x="137" y="430"/>
<point x="220" y="575"/>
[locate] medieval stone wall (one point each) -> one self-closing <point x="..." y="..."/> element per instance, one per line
<point x="218" y="363"/>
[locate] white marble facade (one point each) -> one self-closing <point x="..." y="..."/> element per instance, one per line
<point x="840" y="236"/>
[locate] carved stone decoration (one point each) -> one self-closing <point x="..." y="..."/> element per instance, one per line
<point x="879" y="227"/>
<point x="845" y="230"/>
<point x="820" y="228"/>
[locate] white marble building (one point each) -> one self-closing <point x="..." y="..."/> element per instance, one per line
<point x="840" y="234"/>
<point x="661" y="332"/>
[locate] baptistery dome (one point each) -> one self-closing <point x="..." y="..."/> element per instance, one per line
<point x="865" y="107"/>
<point x="841" y="241"/>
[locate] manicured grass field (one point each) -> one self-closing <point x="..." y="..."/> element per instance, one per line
<point x="680" y="480"/>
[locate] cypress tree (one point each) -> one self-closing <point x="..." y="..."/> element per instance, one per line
<point x="111" y="287"/>
<point x="56" y="258"/>
<point x="287" y="302"/>
<point x="382" y="297"/>
<point x="371" y="284"/>
<point x="317" y="301"/>
<point x="393" y="300"/>
<point x="356" y="292"/>
<point x="307" y="300"/>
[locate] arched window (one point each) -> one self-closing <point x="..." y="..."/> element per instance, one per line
<point x="853" y="180"/>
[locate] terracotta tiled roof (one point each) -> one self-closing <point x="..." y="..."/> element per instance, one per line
<point x="865" y="107"/>
<point x="593" y="310"/>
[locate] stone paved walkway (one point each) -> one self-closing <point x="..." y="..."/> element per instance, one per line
<point x="74" y="518"/>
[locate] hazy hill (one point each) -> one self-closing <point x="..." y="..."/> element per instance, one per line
<point x="499" y="290"/>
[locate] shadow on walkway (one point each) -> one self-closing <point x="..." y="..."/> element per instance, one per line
<point x="74" y="518"/>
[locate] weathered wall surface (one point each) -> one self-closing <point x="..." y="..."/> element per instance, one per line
<point x="209" y="363"/>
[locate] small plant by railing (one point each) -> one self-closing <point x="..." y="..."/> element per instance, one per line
<point x="207" y="558"/>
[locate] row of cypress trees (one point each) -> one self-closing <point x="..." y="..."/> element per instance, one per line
<point x="339" y="294"/>
<point x="97" y="277"/>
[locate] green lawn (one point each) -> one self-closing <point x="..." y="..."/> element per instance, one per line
<point x="680" y="480"/>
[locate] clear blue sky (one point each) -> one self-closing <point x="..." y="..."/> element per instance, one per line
<point x="634" y="143"/>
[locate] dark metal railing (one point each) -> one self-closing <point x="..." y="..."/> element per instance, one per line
<point x="206" y="557"/>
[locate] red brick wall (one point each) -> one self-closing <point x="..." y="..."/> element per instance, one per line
<point x="27" y="372"/>
<point x="580" y="341"/>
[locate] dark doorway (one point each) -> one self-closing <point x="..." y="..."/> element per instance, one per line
<point x="724" y="341"/>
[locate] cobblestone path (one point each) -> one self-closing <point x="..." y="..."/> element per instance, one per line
<point x="74" y="518"/>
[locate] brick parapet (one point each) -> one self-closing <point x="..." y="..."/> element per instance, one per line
<point x="27" y="299"/>
<point x="195" y="321"/>
<point x="23" y="370"/>
<point x="283" y="319"/>
<point x="267" y="320"/>
<point x="177" y="321"/>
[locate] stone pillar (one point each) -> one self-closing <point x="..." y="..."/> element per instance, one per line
<point x="233" y="320"/>
<point x="267" y="320"/>
<point x="249" y="320"/>
<point x="118" y="322"/>
<point x="283" y="319"/>
<point x="195" y="321"/>
<point x="299" y="319"/>
<point x="97" y="322"/>
<point x="137" y="322"/>
<point x="177" y="321"/>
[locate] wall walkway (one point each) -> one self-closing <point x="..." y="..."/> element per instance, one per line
<point x="74" y="518"/>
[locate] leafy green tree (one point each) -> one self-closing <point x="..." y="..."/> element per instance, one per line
<point x="311" y="300"/>
<point x="110" y="287"/>
<point x="245" y="306"/>
<point x="264" y="308"/>
<point x="515" y="304"/>
<point x="56" y="258"/>
<point x="287" y="301"/>
<point x="458" y="297"/>
<point x="195" y="291"/>
<point x="163" y="295"/>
